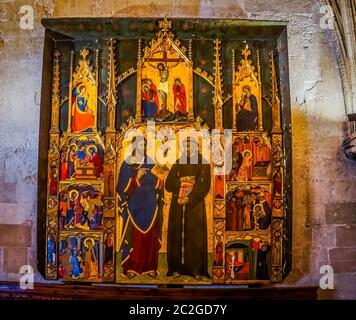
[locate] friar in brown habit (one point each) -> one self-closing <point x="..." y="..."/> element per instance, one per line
<point x="187" y="241"/>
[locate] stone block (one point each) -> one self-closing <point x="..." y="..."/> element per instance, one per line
<point x="14" y="258"/>
<point x="222" y="9"/>
<point x="341" y="213"/>
<point x="345" y="284"/>
<point x="186" y="8"/>
<point x="346" y="236"/>
<point x="79" y="8"/>
<point x="343" y="254"/>
<point x="8" y="192"/>
<point x="298" y="7"/>
<point x="324" y="236"/>
<point x="15" y="235"/>
<point x="134" y="8"/>
<point x="344" y="266"/>
<point x="320" y="192"/>
<point x="343" y="191"/>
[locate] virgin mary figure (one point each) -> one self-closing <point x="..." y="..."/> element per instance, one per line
<point x="247" y="115"/>
<point x="82" y="113"/>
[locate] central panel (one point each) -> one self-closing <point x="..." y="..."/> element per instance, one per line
<point x="164" y="224"/>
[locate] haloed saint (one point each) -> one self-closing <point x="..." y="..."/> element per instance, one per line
<point x="82" y="110"/>
<point x="187" y="242"/>
<point x="140" y="206"/>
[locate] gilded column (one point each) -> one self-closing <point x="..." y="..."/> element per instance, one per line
<point x="219" y="179"/>
<point x="234" y="100"/>
<point x="69" y="129"/>
<point x="277" y="225"/>
<point x="260" y="113"/>
<point x="138" y="117"/>
<point x="109" y="171"/>
<point x="53" y="175"/>
<point x="218" y="92"/>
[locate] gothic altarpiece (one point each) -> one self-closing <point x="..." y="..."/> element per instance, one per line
<point x="111" y="221"/>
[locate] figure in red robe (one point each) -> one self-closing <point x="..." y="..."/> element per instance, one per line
<point x="219" y="187"/>
<point x="141" y="208"/>
<point x="82" y="114"/>
<point x="180" y="99"/>
<point x="231" y="219"/>
<point x="72" y="157"/>
<point x="219" y="251"/>
<point x="64" y="166"/>
<point x="53" y="181"/>
<point x="96" y="161"/>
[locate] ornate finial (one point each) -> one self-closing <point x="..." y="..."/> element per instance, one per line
<point x="84" y="53"/>
<point x="273" y="75"/>
<point x="190" y="50"/>
<point x="233" y="58"/>
<point x="165" y="25"/>
<point x="139" y="49"/>
<point x="97" y="58"/>
<point x="275" y="101"/>
<point x="258" y="66"/>
<point x="218" y="92"/>
<point x="56" y="67"/>
<point x="71" y="60"/>
<point x="246" y="52"/>
<point x="111" y="94"/>
<point x="71" y="56"/>
<point x="69" y="128"/>
<point x="56" y="99"/>
<point x="111" y="44"/>
<point x="57" y="54"/>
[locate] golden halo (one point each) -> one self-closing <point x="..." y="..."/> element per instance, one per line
<point x="73" y="144"/>
<point x="262" y="213"/>
<point x="258" y="205"/>
<point x="91" y="146"/>
<point x="73" y="191"/>
<point x="145" y="87"/>
<point x="247" y="152"/>
<point x="86" y="242"/>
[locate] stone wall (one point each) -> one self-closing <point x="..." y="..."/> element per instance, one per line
<point x="324" y="205"/>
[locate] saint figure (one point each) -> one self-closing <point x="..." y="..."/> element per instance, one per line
<point x="219" y="250"/>
<point x="72" y="159"/>
<point x="163" y="90"/>
<point x="247" y="114"/>
<point x="187" y="242"/>
<point x="82" y="113"/>
<point x="140" y="201"/>
<point x="95" y="159"/>
<point x="149" y="99"/>
<point x="64" y="166"/>
<point x="180" y="99"/>
<point x="77" y="271"/>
